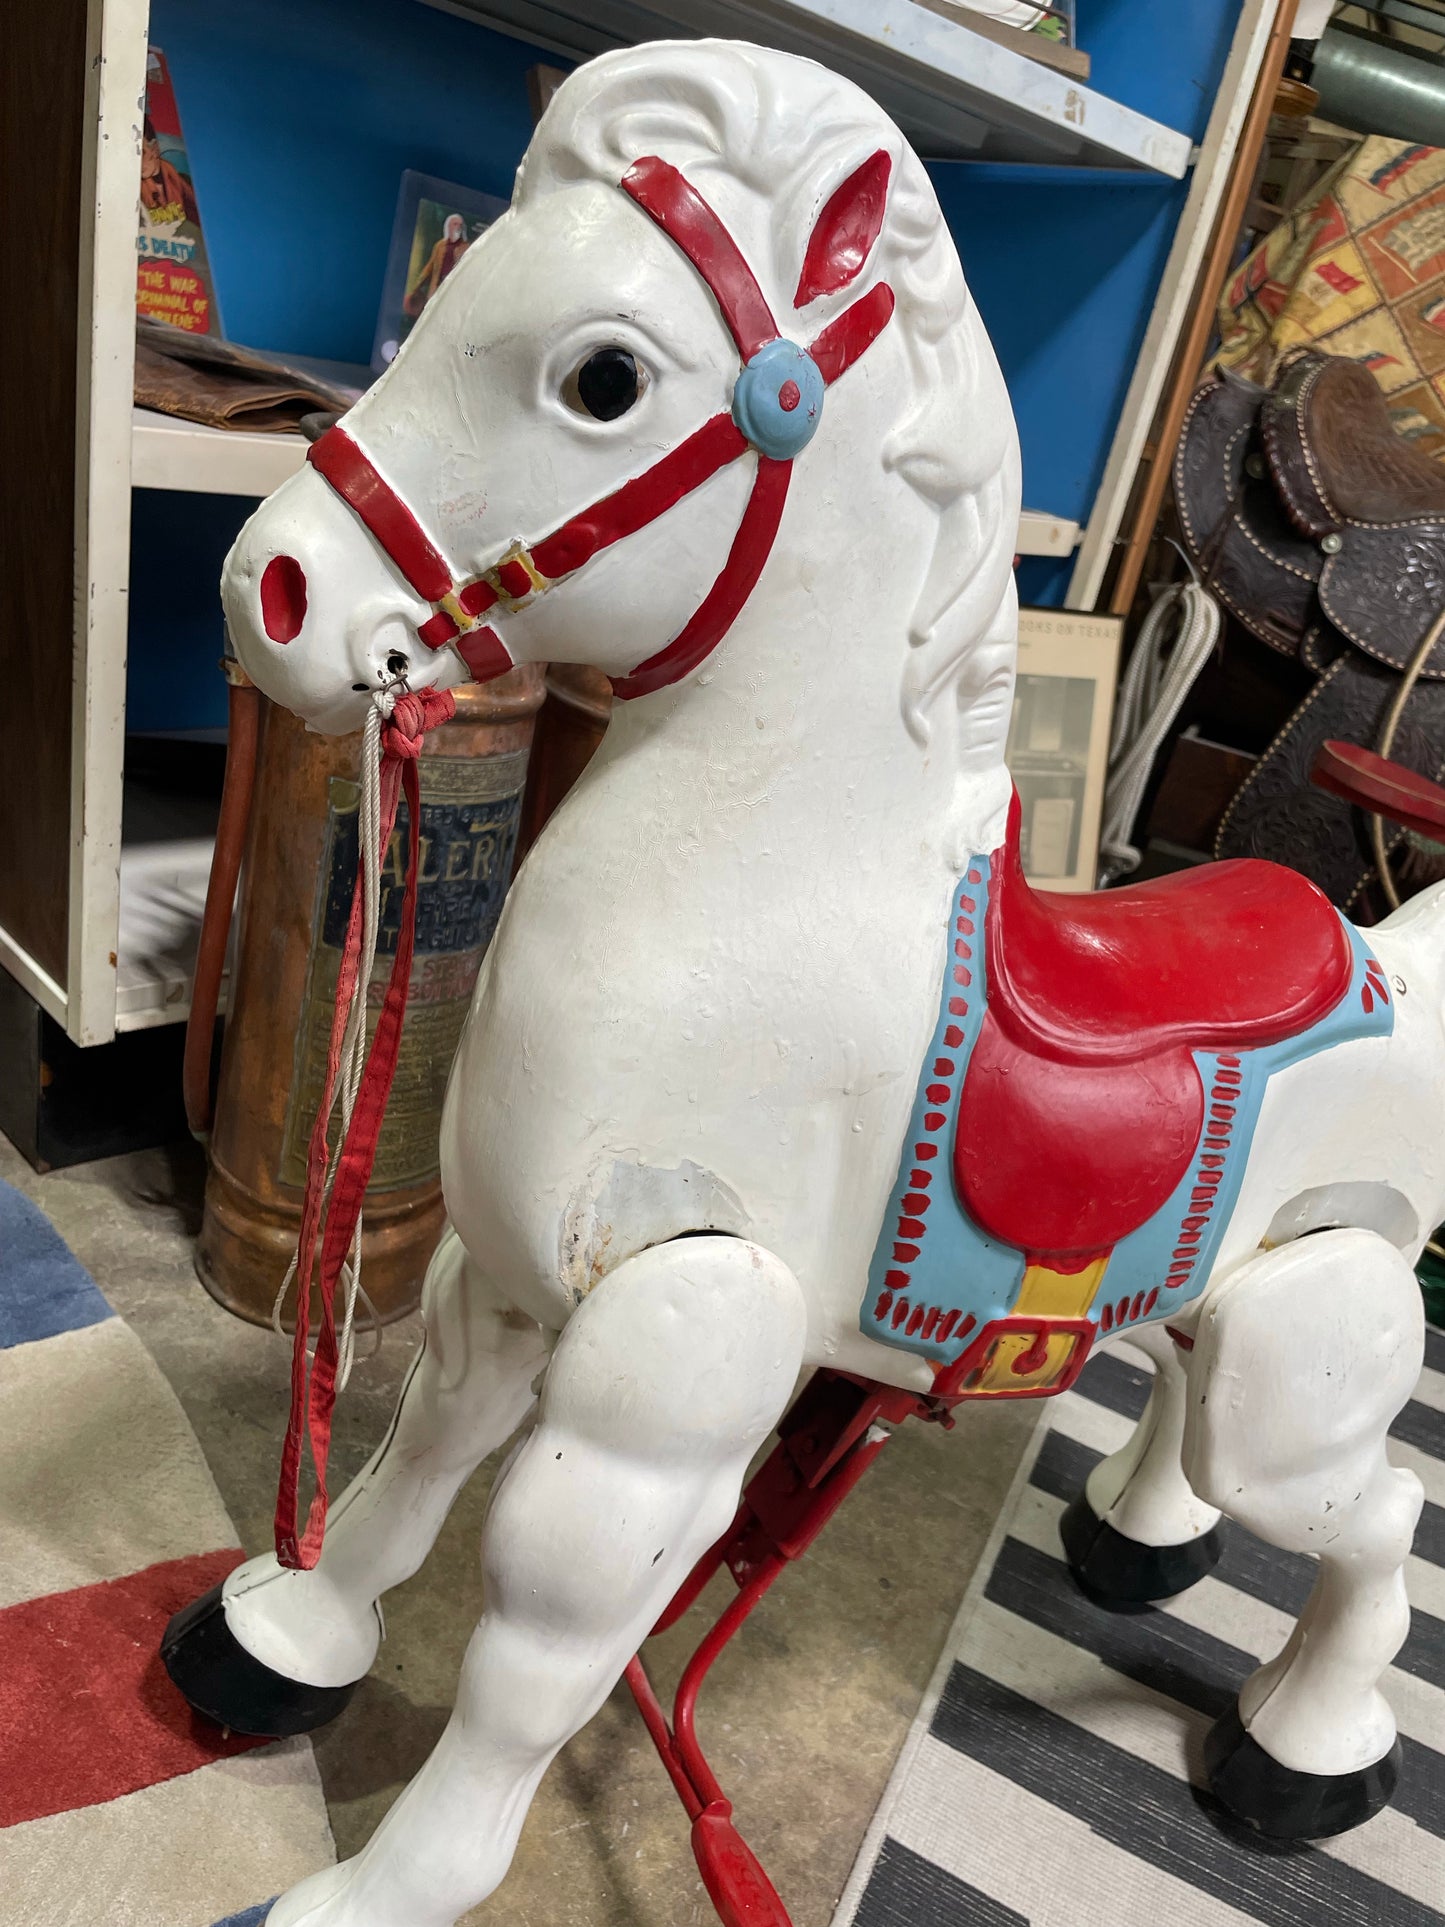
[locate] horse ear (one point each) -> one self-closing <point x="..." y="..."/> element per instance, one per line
<point x="845" y="231"/>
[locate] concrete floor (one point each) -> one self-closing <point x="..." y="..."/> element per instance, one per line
<point x="802" y="1718"/>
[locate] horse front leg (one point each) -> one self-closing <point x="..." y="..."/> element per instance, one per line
<point x="279" y="1651"/>
<point x="666" y="1379"/>
<point x="1138" y="1531"/>
<point x="1302" y="1358"/>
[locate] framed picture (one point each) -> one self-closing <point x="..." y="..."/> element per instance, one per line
<point x="1058" y="742"/>
<point x="436" y="222"/>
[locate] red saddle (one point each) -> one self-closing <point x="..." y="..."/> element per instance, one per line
<point x="1082" y="1105"/>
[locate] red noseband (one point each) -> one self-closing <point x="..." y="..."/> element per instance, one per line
<point x="854" y="216"/>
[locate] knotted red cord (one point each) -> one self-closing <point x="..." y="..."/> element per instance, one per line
<point x="313" y="1394"/>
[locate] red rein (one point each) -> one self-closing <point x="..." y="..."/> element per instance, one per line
<point x="842" y="239"/>
<point x="313" y="1394"/>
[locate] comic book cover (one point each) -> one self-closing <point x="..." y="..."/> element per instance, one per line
<point x="173" y="275"/>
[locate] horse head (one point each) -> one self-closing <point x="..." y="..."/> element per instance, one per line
<point x="719" y="263"/>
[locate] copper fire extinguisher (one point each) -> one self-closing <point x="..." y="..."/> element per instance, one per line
<point x="290" y="799"/>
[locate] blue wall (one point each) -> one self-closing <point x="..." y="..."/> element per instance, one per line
<point x="1064" y="272"/>
<point x="300" y="116"/>
<point x="1064" y="262"/>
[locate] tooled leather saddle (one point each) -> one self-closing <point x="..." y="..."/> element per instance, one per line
<point x="1322" y="530"/>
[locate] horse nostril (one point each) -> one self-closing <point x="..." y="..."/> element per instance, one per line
<point x="397" y="664"/>
<point x="283" y="598"/>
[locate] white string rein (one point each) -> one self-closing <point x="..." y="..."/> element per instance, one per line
<point x="354" y="1039"/>
<point x="1177" y="639"/>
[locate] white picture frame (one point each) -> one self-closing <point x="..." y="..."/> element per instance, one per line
<point x="1058" y="744"/>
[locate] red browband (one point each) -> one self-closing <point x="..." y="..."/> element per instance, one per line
<point x="522" y="573"/>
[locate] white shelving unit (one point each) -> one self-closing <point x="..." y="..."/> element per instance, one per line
<point x="956" y="95"/>
<point x="115" y="963"/>
<point x="166" y="452"/>
<point x="169" y="453"/>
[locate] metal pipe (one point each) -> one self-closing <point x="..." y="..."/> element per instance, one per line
<point x="1428" y="15"/>
<point x="1379" y="86"/>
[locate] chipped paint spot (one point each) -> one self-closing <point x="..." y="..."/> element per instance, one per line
<point x="626" y="1207"/>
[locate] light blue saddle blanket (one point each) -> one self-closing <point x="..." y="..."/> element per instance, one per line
<point x="1087" y="1104"/>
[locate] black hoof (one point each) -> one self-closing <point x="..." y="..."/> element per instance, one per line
<point x="1285" y="1805"/>
<point x="222" y="1680"/>
<point x="1117" y="1571"/>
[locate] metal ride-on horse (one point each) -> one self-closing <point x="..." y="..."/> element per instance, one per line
<point x="776" y="1060"/>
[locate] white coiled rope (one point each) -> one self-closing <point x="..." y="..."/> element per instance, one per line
<point x="1178" y="637"/>
<point x="354" y="1041"/>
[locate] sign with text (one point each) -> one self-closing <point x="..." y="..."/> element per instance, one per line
<point x="470" y="806"/>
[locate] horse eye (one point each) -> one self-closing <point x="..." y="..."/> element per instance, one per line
<point x="606" y="385"/>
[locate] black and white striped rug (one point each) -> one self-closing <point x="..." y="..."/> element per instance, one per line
<point x="1050" y="1779"/>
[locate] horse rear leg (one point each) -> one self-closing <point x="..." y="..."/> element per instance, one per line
<point x="666" y="1379"/>
<point x="278" y="1651"/>
<point x="1302" y="1358"/>
<point x="1138" y="1531"/>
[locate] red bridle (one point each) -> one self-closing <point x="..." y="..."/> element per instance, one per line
<point x="514" y="581"/>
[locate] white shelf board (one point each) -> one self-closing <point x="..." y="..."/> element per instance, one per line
<point x="956" y="95"/>
<point x="167" y="452"/>
<point x="162" y="897"/>
<point x="1041" y="534"/>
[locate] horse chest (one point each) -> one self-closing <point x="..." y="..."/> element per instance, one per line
<point x="1052" y="1187"/>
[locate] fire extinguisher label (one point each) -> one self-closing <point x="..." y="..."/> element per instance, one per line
<point x="470" y="806"/>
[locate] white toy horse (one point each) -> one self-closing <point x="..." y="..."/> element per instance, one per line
<point x="710" y="408"/>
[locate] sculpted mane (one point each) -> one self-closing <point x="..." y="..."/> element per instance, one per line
<point x="724" y="125"/>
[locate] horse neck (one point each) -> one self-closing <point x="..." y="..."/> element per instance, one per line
<point x="793" y="736"/>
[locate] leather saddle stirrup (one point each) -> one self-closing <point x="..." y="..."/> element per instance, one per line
<point x="1279" y="813"/>
<point x="1322" y="531"/>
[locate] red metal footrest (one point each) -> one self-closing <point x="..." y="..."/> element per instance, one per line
<point x="826" y="1442"/>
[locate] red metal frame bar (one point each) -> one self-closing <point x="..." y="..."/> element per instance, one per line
<point x="826" y="1442"/>
<point x="1388" y="789"/>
